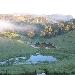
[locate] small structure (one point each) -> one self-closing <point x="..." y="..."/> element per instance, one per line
<point x="44" y="45"/>
<point x="41" y="74"/>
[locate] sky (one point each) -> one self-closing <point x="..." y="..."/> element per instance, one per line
<point x="38" y="7"/>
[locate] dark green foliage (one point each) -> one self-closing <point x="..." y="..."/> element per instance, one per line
<point x="64" y="52"/>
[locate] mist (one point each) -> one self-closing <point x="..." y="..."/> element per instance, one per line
<point x="8" y="26"/>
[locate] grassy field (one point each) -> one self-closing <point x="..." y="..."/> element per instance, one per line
<point x="64" y="52"/>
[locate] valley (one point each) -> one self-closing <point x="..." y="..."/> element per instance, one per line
<point x="33" y="44"/>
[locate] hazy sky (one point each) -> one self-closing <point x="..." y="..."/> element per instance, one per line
<point x="66" y="7"/>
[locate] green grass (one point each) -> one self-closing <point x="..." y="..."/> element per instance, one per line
<point x="12" y="48"/>
<point x="65" y="54"/>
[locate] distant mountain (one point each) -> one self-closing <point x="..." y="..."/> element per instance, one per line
<point x="57" y="17"/>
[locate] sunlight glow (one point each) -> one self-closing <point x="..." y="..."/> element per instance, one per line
<point x="48" y="7"/>
<point x="5" y="26"/>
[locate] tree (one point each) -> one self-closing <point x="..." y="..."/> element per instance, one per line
<point x="31" y="34"/>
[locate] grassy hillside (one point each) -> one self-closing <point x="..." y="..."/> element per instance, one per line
<point x="12" y="48"/>
<point x="64" y="52"/>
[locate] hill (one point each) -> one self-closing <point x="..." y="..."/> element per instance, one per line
<point x="25" y="39"/>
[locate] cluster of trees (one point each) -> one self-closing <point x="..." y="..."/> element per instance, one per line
<point x="46" y="30"/>
<point x="46" y="72"/>
<point x="11" y="35"/>
<point x="44" y="44"/>
<point x="26" y="73"/>
<point x="49" y="30"/>
<point x="31" y="34"/>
